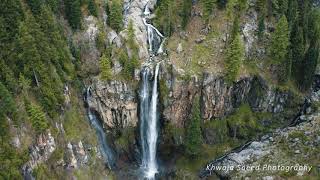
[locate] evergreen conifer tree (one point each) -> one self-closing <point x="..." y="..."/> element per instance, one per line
<point x="37" y="117"/>
<point x="92" y="7"/>
<point x="73" y="13"/>
<point x="279" y="49"/>
<point x="208" y="8"/>
<point x="234" y="58"/>
<point x="193" y="130"/>
<point x="105" y="68"/>
<point x="186" y="12"/>
<point x="310" y="64"/>
<point x="116" y="15"/>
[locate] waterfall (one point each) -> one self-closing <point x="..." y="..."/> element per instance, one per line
<point x="149" y="123"/>
<point x="154" y="35"/>
<point x="106" y="151"/>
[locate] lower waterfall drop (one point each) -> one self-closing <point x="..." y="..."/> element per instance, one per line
<point x="149" y="123"/>
<point x="105" y="150"/>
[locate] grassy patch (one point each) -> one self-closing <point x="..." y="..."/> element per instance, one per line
<point x="126" y="138"/>
<point x="244" y="123"/>
<point x="207" y="153"/>
<point x="77" y="126"/>
<point x="298" y="134"/>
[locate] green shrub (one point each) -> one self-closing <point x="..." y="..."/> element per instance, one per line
<point x="105" y="68"/>
<point x="115" y="18"/>
<point x="92" y="7"/>
<point x="37" y="117"/>
<point x="234" y="58"/>
<point x="243" y="124"/>
<point x="193" y="138"/>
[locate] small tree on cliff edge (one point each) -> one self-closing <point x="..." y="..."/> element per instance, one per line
<point x="115" y="19"/>
<point x="105" y="68"/>
<point x="234" y="58"/>
<point x="279" y="49"/>
<point x="193" y="131"/>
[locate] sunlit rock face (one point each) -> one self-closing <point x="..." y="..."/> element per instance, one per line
<point x="115" y="102"/>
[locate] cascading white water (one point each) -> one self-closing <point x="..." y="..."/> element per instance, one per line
<point x="105" y="150"/>
<point x="153" y="132"/>
<point x="149" y="102"/>
<point x="149" y="123"/>
<point x="154" y="35"/>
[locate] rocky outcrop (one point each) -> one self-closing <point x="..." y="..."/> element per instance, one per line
<point x="39" y="152"/>
<point x="284" y="147"/>
<point x="219" y="98"/>
<point x="116" y="103"/>
<point x="78" y="154"/>
<point x="274" y="148"/>
<point x="85" y="41"/>
<point x="180" y="96"/>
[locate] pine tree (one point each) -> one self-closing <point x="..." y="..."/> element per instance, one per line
<point x="73" y="13"/>
<point x="24" y="84"/>
<point x="261" y="27"/>
<point x="222" y="3"/>
<point x="235" y="27"/>
<point x="167" y="16"/>
<point x="54" y="5"/>
<point x="208" y="8"/>
<point x="34" y="5"/>
<point x="92" y="7"/>
<point x="186" y="12"/>
<point x="11" y="14"/>
<point x="313" y="31"/>
<point x="37" y="117"/>
<point x="7" y="76"/>
<point x="292" y="13"/>
<point x="261" y="6"/>
<point x="234" y="58"/>
<point x="280" y="7"/>
<point x="105" y="68"/>
<point x="128" y="64"/>
<point x="193" y="130"/>
<point x="279" y="49"/>
<point x="297" y="49"/>
<point x="311" y="58"/>
<point x="7" y="104"/>
<point x="310" y="65"/>
<point x="28" y="56"/>
<point x="101" y="38"/>
<point x="131" y="40"/>
<point x="116" y="16"/>
<point x="60" y="54"/>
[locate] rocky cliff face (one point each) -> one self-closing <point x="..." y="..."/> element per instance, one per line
<point x="116" y="103"/>
<point x="219" y="99"/>
<point x="39" y="152"/>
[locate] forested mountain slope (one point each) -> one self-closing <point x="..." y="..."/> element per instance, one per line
<point x="133" y="89"/>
